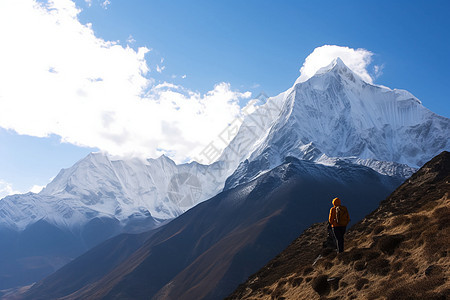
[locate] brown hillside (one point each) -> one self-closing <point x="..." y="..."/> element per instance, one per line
<point x="399" y="251"/>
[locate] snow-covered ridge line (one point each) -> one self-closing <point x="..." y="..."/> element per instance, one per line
<point x="336" y="115"/>
<point x="333" y="116"/>
<point x="97" y="186"/>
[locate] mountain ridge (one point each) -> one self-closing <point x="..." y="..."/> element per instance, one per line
<point x="398" y="251"/>
<point x="324" y="119"/>
<point x="335" y="114"/>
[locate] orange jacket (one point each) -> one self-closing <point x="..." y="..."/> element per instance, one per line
<point x="332" y="216"/>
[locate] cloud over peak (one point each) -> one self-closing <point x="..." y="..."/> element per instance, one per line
<point x="58" y="77"/>
<point x="357" y="60"/>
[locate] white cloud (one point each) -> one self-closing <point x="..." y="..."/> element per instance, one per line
<point x="130" y="39"/>
<point x="36" y="188"/>
<point x="183" y="76"/>
<point x="378" y="70"/>
<point x="6" y="189"/>
<point x="356" y="59"/>
<point x="105" y="4"/>
<point x="57" y="77"/>
<point x="160" y="69"/>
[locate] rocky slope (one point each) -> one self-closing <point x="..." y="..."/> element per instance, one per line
<point x="399" y="251"/>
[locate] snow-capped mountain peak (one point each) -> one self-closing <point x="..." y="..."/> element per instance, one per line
<point x="336" y="66"/>
<point x="101" y="187"/>
<point x="335" y="114"/>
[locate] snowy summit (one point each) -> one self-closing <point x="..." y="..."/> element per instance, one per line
<point x="332" y="116"/>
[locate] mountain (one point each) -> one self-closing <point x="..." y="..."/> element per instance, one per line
<point x="332" y="119"/>
<point x="333" y="116"/>
<point x="399" y="251"/>
<point x="336" y="115"/>
<point x="207" y="251"/>
<point x="98" y="186"/>
<point x="90" y="202"/>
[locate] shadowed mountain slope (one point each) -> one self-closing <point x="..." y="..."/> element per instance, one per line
<point x="399" y="251"/>
<point x="96" y="199"/>
<point x="206" y="252"/>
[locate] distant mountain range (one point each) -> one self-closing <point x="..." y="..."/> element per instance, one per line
<point x="334" y="119"/>
<point x="94" y="200"/>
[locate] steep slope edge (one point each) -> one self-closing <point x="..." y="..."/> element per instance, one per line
<point x="399" y="251"/>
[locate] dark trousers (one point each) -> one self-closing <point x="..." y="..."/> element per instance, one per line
<point x="339" y="232"/>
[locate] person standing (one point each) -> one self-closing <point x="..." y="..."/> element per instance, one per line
<point x="339" y="218"/>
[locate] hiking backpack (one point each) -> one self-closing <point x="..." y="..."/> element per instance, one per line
<point x="342" y="217"/>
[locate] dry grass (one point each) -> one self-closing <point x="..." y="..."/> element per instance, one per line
<point x="389" y="269"/>
<point x="400" y="251"/>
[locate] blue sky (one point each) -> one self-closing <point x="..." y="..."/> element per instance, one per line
<point x="265" y="42"/>
<point x="196" y="52"/>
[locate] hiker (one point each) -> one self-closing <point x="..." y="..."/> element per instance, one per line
<point x="339" y="218"/>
